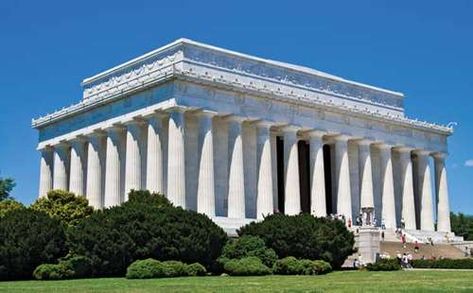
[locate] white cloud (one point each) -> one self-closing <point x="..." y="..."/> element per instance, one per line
<point x="469" y="163"/>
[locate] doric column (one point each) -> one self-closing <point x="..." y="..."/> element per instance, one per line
<point x="157" y="137"/>
<point x="61" y="166"/>
<point x="366" y="172"/>
<point x="387" y="198"/>
<point x="317" y="175"/>
<point x="46" y="171"/>
<point x="95" y="169"/>
<point x="206" y="183"/>
<point x="176" y="186"/>
<point x="292" y="193"/>
<point x="443" y="208"/>
<point x="342" y="175"/>
<point x="408" y="204"/>
<point x="134" y="155"/>
<point x="264" y="196"/>
<point x="425" y="191"/>
<point x="114" y="166"/>
<point x="236" y="177"/>
<point x="78" y="166"/>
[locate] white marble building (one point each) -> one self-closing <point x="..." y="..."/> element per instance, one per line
<point x="237" y="137"/>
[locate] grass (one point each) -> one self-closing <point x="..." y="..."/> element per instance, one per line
<point x="348" y="281"/>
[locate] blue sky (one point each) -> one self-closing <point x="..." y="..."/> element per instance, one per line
<point x="421" y="48"/>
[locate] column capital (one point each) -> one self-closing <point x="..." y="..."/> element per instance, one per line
<point x="341" y="137"/>
<point x="264" y="124"/>
<point x="45" y="148"/>
<point x="403" y="149"/>
<point x="235" y="118"/>
<point x="115" y="128"/>
<point x="440" y="155"/>
<point x="135" y="121"/>
<point x="290" y="128"/>
<point x="422" y="152"/>
<point x="364" y="141"/>
<point x="180" y="109"/>
<point x="315" y="133"/>
<point x="384" y="146"/>
<point x="62" y="144"/>
<point x="95" y="133"/>
<point x="205" y="114"/>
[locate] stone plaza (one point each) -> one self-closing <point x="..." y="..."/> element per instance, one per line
<point x="238" y="137"/>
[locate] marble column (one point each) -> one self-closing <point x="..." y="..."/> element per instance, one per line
<point x="78" y="166"/>
<point x="95" y="169"/>
<point x="366" y="172"/>
<point x="134" y="156"/>
<point x="176" y="159"/>
<point x="443" y="208"/>
<point x="206" y="183"/>
<point x="408" y="204"/>
<point x="46" y="171"/>
<point x="342" y="175"/>
<point x="317" y="175"/>
<point x="264" y="196"/>
<point x="425" y="191"/>
<point x="387" y="197"/>
<point x="61" y="166"/>
<point x="114" y="167"/>
<point x="292" y="193"/>
<point x="157" y="136"/>
<point x="236" y="177"/>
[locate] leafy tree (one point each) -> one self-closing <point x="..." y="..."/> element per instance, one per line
<point x="6" y="186"/>
<point x="304" y="236"/>
<point x="64" y="205"/>
<point x="246" y="246"/>
<point x="114" y="238"/>
<point x="462" y="225"/>
<point x="147" y="197"/>
<point x="29" y="238"/>
<point x="9" y="205"/>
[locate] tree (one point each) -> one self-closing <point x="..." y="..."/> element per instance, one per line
<point x="114" y="238"/>
<point x="6" y="186"/>
<point x="247" y="246"/>
<point x="305" y="237"/>
<point x="64" y="206"/>
<point x="9" y="205"/>
<point x="462" y="225"/>
<point x="29" y="238"/>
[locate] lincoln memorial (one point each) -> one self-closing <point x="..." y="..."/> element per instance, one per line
<point x="238" y="137"/>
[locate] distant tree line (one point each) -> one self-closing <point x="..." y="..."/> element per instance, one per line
<point x="462" y="225"/>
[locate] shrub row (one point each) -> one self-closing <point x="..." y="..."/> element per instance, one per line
<point x="465" y="263"/>
<point x="247" y="266"/>
<point x="292" y="266"/>
<point x="73" y="267"/>
<point x="248" y="246"/>
<point x="151" y="268"/>
<point x="391" y="264"/>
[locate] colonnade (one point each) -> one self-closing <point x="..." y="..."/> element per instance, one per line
<point x="151" y="153"/>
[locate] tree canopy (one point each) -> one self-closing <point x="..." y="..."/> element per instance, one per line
<point x="462" y="225"/>
<point x="6" y="186"/>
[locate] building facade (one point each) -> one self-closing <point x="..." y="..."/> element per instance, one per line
<point x="238" y="137"/>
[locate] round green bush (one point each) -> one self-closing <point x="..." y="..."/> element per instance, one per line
<point x="195" y="269"/>
<point x="52" y="272"/>
<point x="292" y="266"/>
<point x="248" y="266"/>
<point x="304" y="236"/>
<point x="391" y="264"/>
<point x="114" y="238"/>
<point x="246" y="246"/>
<point x="81" y="266"/>
<point x="144" y="269"/>
<point x="29" y="238"/>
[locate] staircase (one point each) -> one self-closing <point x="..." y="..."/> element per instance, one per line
<point x="428" y="251"/>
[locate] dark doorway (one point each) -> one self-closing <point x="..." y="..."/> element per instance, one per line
<point x="280" y="172"/>
<point x="328" y="179"/>
<point x="304" y="175"/>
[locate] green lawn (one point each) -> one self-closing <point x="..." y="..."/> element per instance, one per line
<point x="350" y="281"/>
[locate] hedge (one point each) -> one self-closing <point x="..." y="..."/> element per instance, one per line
<point x="391" y="264"/>
<point x="247" y="246"/>
<point x="248" y="266"/>
<point x="463" y="263"/>
<point x="292" y="266"/>
<point x="151" y="268"/>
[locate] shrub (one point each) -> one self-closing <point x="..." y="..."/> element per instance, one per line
<point x="463" y="263"/>
<point x="115" y="237"/>
<point x="292" y="266"/>
<point x="196" y="269"/>
<point x="248" y="266"/>
<point x="147" y="197"/>
<point x="81" y="266"/>
<point x="391" y="264"/>
<point x="52" y="272"/>
<point x="28" y="238"/>
<point x="64" y="206"/>
<point x="246" y="246"/>
<point x="151" y="268"/>
<point x="304" y="236"/>
<point x="9" y="205"/>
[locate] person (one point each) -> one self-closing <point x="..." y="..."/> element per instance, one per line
<point x="383" y="224"/>
<point x="382" y="235"/>
<point x="349" y="222"/>
<point x="403" y="238"/>
<point x="416" y="247"/>
<point x="403" y="223"/>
